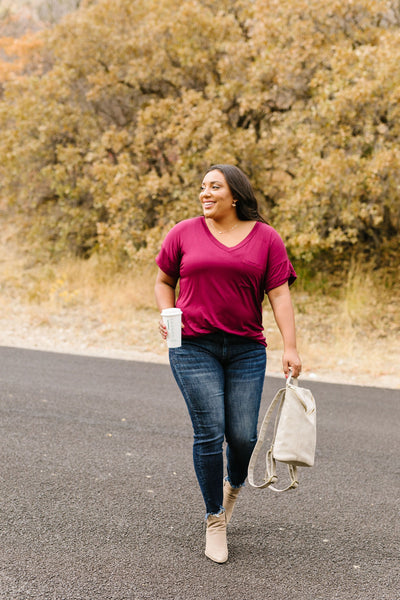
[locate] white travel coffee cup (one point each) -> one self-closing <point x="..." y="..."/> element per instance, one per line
<point x="172" y="318"/>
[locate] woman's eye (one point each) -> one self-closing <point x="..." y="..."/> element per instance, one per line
<point x="213" y="187"/>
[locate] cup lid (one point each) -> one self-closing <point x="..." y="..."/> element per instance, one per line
<point x="170" y="312"/>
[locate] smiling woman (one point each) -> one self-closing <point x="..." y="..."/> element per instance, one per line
<point x="216" y="197"/>
<point x="240" y="190"/>
<point x="226" y="261"/>
<point x="219" y="208"/>
<point x="228" y="207"/>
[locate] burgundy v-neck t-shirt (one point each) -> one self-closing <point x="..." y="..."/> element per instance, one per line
<point x="222" y="288"/>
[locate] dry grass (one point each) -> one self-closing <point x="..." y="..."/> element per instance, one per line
<point x="355" y="332"/>
<point x="86" y="307"/>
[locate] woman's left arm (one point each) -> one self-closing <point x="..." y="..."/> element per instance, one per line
<point x="282" y="307"/>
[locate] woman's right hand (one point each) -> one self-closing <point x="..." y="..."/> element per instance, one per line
<point x="162" y="329"/>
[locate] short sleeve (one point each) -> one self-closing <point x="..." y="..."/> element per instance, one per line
<point x="279" y="268"/>
<point x="169" y="257"/>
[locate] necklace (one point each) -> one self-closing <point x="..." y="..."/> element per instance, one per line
<point x="226" y="230"/>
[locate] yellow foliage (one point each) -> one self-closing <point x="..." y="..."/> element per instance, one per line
<point x="17" y="55"/>
<point x="109" y="119"/>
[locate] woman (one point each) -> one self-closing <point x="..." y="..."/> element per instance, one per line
<point x="225" y="261"/>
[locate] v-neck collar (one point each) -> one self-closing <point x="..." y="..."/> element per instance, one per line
<point x="230" y="248"/>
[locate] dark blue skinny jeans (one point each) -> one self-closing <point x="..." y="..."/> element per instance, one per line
<point x="221" y="378"/>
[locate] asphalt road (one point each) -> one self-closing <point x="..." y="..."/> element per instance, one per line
<point x="98" y="498"/>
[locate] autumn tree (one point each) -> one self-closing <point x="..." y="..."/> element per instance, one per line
<point x="106" y="133"/>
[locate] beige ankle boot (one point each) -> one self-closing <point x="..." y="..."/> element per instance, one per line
<point x="230" y="495"/>
<point x="216" y="545"/>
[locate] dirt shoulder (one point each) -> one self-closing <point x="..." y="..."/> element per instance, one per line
<point x="85" y="331"/>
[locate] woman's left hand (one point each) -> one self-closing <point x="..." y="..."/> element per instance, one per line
<point x="292" y="360"/>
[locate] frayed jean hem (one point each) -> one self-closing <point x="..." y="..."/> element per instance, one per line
<point x="219" y="513"/>
<point x="234" y="486"/>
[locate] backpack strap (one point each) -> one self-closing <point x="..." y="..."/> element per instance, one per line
<point x="270" y="472"/>
<point x="292" y="473"/>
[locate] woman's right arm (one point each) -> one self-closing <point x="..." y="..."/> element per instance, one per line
<point x="165" y="290"/>
<point x="165" y="296"/>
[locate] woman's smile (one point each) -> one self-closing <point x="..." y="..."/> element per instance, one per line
<point x="208" y="204"/>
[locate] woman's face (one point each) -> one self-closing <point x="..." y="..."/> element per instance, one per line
<point x="216" y="197"/>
